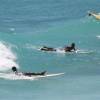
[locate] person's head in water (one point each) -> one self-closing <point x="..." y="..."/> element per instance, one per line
<point x="73" y="45"/>
<point x="14" y="69"/>
<point x="89" y="14"/>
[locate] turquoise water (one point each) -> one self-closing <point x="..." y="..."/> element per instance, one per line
<point x="27" y="25"/>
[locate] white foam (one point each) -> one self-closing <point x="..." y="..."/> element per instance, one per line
<point x="98" y="36"/>
<point x="60" y="50"/>
<point x="83" y="51"/>
<point x="12" y="76"/>
<point x="7" y="57"/>
<point x="77" y="51"/>
<point x="12" y="29"/>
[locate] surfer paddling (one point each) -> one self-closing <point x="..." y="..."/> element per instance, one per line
<point x="14" y="69"/>
<point x="66" y="48"/>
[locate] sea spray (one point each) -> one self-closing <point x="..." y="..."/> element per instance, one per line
<point x="7" y="57"/>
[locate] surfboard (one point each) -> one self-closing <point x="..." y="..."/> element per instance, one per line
<point x="49" y="75"/>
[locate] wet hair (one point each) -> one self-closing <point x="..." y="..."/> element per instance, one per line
<point x="73" y="45"/>
<point x="89" y="14"/>
<point x="14" y="69"/>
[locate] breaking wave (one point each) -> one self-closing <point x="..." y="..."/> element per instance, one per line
<point x="7" y="57"/>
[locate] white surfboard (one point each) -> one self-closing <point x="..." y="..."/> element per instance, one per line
<point x="49" y="75"/>
<point x="12" y="76"/>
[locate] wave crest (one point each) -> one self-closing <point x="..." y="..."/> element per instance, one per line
<point x="7" y="57"/>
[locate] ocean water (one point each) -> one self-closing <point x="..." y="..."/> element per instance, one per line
<point x="26" y="26"/>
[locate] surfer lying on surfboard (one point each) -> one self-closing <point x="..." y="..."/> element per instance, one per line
<point x="96" y="15"/>
<point x="14" y="69"/>
<point x="66" y="48"/>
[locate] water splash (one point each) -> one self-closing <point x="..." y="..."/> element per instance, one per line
<point x="12" y="76"/>
<point x="20" y="76"/>
<point x="7" y="57"/>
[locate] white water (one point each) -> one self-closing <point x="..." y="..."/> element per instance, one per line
<point x="12" y="76"/>
<point x="7" y="57"/>
<point x="98" y="36"/>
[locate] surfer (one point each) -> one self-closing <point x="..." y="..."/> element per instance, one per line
<point x="14" y="69"/>
<point x="66" y="48"/>
<point x="70" y="48"/>
<point x="97" y="16"/>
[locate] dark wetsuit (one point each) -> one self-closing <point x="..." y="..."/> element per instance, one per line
<point x="69" y="49"/>
<point x="47" y="49"/>
<point x="14" y="69"/>
<point x="31" y="74"/>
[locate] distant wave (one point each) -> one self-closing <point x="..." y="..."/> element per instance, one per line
<point x="7" y="57"/>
